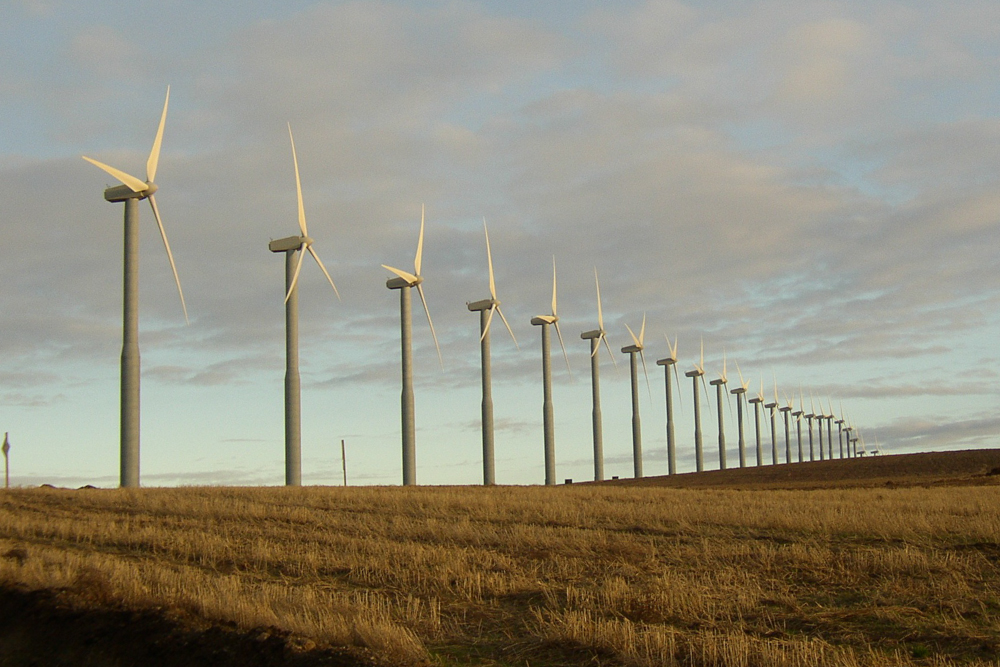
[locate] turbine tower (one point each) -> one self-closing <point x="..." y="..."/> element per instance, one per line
<point x="547" y="417"/>
<point x="698" y="372"/>
<point x="720" y="388"/>
<point x="631" y="350"/>
<point x="798" y="424"/>
<point x="595" y="337"/>
<point x="788" y="438"/>
<point x="809" y="420"/>
<point x="404" y="281"/>
<point x="774" y="433"/>
<point x="293" y="390"/>
<point x="829" y="431"/>
<point x="757" y="400"/>
<point x="131" y="192"/>
<point x="668" y="363"/>
<point x="819" y="428"/>
<point x="486" y="308"/>
<point x="6" y="460"/>
<point x="741" y="395"/>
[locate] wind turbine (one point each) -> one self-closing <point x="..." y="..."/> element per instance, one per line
<point x="668" y="363"/>
<point x="486" y="308"/>
<point x="6" y="460"/>
<point x="131" y="192"/>
<point x="720" y="384"/>
<point x="404" y="281"/>
<point x="774" y="434"/>
<point x="798" y="423"/>
<point x="595" y="337"/>
<point x="829" y="430"/>
<point x="819" y="427"/>
<point x="809" y="419"/>
<point x="757" y="400"/>
<point x="741" y="392"/>
<point x="788" y="438"/>
<point x="698" y="372"/>
<point x="840" y="432"/>
<point x="547" y="417"/>
<point x="293" y="389"/>
<point x="631" y="350"/>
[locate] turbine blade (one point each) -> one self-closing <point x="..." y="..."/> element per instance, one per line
<point x="724" y="378"/>
<point x="408" y="277"/>
<point x="701" y="364"/>
<point x="509" y="330"/>
<point x="170" y="255"/>
<point x="600" y="313"/>
<point x="295" y="276"/>
<point x="563" y="346"/>
<point x="322" y="268"/>
<point x="642" y="330"/>
<point x="634" y="339"/>
<point x="489" y="261"/>
<point x="677" y="378"/>
<point x="131" y="181"/>
<point x="553" y="285"/>
<point x="486" y="329"/>
<point x="673" y="349"/>
<point x="423" y="300"/>
<point x="729" y="402"/>
<point x="298" y="185"/>
<point x="418" y="259"/>
<point x="649" y="389"/>
<point x="154" y="154"/>
<point x="610" y="353"/>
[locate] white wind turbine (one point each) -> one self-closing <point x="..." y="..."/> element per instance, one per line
<point x="631" y="350"/>
<point x="809" y="420"/>
<point x="771" y="407"/>
<point x="788" y="437"/>
<point x="131" y="192"/>
<point x="798" y="422"/>
<point x="719" y="384"/>
<point x="829" y="429"/>
<point x="293" y="390"/>
<point x="741" y="392"/>
<point x="548" y="419"/>
<point x="840" y="431"/>
<point x="698" y="372"/>
<point x="404" y="281"/>
<point x="486" y="308"/>
<point x="595" y="337"/>
<point x="819" y="426"/>
<point x="757" y="400"/>
<point x="668" y="363"/>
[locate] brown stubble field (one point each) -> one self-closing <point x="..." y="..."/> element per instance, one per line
<point x="581" y="574"/>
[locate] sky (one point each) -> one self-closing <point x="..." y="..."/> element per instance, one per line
<point x="810" y="188"/>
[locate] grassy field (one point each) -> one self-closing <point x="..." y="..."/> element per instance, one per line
<point x="603" y="575"/>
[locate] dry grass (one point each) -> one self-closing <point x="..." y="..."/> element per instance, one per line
<point x="567" y="575"/>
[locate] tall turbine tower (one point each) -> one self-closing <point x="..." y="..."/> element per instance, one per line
<point x="757" y="400"/>
<point x="131" y="192"/>
<point x="293" y="390"/>
<point x="698" y="372"/>
<point x="829" y="431"/>
<point x="548" y="421"/>
<point x="668" y="363"/>
<point x="819" y="428"/>
<point x="798" y="424"/>
<point x="771" y="407"/>
<point x="809" y="420"/>
<point x="720" y="387"/>
<point x="404" y="281"/>
<point x="631" y="350"/>
<point x="6" y="460"/>
<point x="486" y="308"/>
<point x="595" y="337"/>
<point x="788" y="438"/>
<point x="741" y="395"/>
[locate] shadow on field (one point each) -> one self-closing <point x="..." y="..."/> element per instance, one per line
<point x="49" y="628"/>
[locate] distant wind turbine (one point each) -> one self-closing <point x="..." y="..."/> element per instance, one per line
<point x="404" y="281"/>
<point x="698" y="372"/>
<point x="829" y="430"/>
<point x="595" y="337"/>
<point x="720" y="387"/>
<point x="757" y="400"/>
<point x="131" y="192"/>
<point x="774" y="433"/>
<point x="293" y="390"/>
<point x="668" y="363"/>
<point x="486" y="308"/>
<point x="788" y="438"/>
<point x="741" y="395"/>
<point x="547" y="416"/>
<point x="6" y="460"/>
<point x="798" y="424"/>
<point x="819" y="427"/>
<point x="632" y="350"/>
<point x="809" y="420"/>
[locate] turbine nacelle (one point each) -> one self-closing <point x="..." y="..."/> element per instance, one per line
<point x="485" y="304"/>
<point x="120" y="193"/>
<point x="694" y="374"/>
<point x="290" y="243"/>
<point x="539" y="320"/>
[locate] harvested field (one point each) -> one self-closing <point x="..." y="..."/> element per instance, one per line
<point x="583" y="574"/>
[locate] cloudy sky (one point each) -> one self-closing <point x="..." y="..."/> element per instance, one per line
<point x="811" y="187"/>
